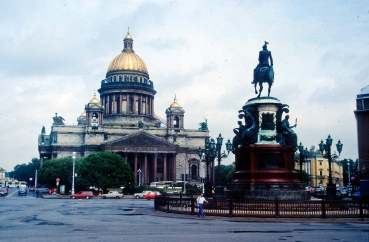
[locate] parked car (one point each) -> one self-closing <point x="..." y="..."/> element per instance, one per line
<point x="341" y="191"/>
<point x="140" y="194"/>
<point x="82" y="194"/>
<point x="22" y="191"/>
<point x="318" y="190"/>
<point x="112" y="194"/>
<point x="3" y="191"/>
<point x="356" y="195"/>
<point x="151" y="195"/>
<point x="32" y="188"/>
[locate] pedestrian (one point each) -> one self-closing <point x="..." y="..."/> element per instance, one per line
<point x="200" y="202"/>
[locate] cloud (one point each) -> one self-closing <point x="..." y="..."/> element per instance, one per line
<point x="55" y="54"/>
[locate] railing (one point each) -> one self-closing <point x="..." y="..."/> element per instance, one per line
<point x="270" y="209"/>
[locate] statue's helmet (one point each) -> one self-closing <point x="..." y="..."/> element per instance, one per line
<point x="265" y="45"/>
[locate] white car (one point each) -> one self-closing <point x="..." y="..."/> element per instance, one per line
<point x="140" y="194"/>
<point x="112" y="194"/>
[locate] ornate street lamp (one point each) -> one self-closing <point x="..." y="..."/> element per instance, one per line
<point x="349" y="178"/>
<point x="74" y="164"/>
<point x="212" y="151"/>
<point x="304" y="154"/>
<point x="331" y="188"/>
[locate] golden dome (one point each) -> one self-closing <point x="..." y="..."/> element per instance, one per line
<point x="127" y="59"/>
<point x="83" y="114"/>
<point x="128" y="36"/>
<point x="175" y="104"/>
<point x="94" y="100"/>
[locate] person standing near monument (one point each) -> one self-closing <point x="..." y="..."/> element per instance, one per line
<point x="200" y="202"/>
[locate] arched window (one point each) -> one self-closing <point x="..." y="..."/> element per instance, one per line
<point x="176" y="122"/>
<point x="194" y="172"/>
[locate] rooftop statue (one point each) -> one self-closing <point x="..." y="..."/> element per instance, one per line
<point x="263" y="71"/>
<point x="204" y="126"/>
<point x="58" y="120"/>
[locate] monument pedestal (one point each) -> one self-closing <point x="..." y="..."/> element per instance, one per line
<point x="264" y="154"/>
<point x="265" y="172"/>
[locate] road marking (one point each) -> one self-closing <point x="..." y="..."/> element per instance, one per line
<point x="9" y="195"/>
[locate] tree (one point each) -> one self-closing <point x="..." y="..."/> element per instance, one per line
<point x="353" y="171"/>
<point x="104" y="169"/>
<point x="24" y="172"/>
<point x="61" y="168"/>
<point x="305" y="177"/>
<point x="226" y="173"/>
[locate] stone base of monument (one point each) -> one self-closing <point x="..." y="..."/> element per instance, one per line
<point x="285" y="192"/>
<point x="265" y="172"/>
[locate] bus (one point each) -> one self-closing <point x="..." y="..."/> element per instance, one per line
<point x="22" y="184"/>
<point x="164" y="184"/>
<point x="16" y="184"/>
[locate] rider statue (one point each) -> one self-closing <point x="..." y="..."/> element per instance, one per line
<point x="264" y="56"/>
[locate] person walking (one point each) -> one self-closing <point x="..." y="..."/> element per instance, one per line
<point x="200" y="202"/>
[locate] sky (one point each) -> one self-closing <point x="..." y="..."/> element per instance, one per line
<point x="54" y="54"/>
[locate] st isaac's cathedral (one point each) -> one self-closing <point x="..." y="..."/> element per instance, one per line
<point x="123" y="121"/>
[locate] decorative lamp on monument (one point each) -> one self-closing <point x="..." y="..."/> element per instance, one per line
<point x="304" y="154"/>
<point x="331" y="188"/>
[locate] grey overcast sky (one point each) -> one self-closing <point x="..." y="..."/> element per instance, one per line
<point x="54" y="54"/>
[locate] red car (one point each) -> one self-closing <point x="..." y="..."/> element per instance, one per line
<point x="82" y="194"/>
<point x="3" y="191"/>
<point x="150" y="195"/>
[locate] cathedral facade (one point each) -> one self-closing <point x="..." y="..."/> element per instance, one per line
<point x="123" y="121"/>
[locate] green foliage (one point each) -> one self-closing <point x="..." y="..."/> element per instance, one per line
<point x="104" y="169"/>
<point x="230" y="173"/>
<point x="24" y="172"/>
<point x="353" y="171"/>
<point x="305" y="176"/>
<point x="226" y="173"/>
<point x="61" y="168"/>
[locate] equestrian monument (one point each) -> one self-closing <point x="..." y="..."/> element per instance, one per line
<point x="264" y="145"/>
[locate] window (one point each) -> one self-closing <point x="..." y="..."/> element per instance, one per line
<point x="176" y="122"/>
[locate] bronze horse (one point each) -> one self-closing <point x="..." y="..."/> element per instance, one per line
<point x="264" y="74"/>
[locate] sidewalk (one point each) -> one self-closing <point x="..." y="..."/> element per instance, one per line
<point x="257" y="219"/>
<point x="152" y="212"/>
<point x="60" y="196"/>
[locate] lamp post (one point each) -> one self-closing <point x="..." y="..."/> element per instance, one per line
<point x="304" y="154"/>
<point x="331" y="189"/>
<point x="209" y="157"/>
<point x="213" y="151"/>
<point x="139" y="177"/>
<point x="349" y="178"/>
<point x="74" y="164"/>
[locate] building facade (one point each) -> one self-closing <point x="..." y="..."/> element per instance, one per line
<point x="123" y="121"/>
<point x="362" y="121"/>
<point x="317" y="167"/>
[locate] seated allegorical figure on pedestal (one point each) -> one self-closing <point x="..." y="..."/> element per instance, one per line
<point x="289" y="136"/>
<point x="249" y="134"/>
<point x="238" y="138"/>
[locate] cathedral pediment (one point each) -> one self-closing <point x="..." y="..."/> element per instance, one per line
<point x="140" y="141"/>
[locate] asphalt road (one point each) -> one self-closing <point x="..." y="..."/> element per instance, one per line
<point x="29" y="218"/>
